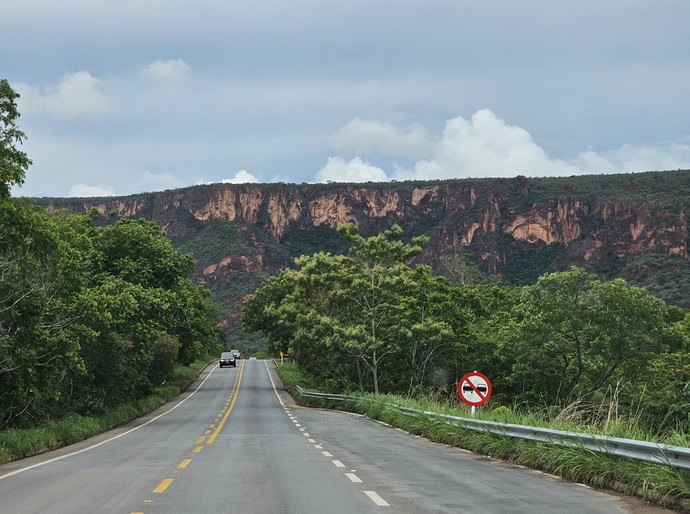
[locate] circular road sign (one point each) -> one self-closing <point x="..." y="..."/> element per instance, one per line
<point x="474" y="389"/>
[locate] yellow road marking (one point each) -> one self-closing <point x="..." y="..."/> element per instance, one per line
<point x="213" y="425"/>
<point x="197" y="449"/>
<point x="148" y="501"/>
<point x="207" y="432"/>
<point x="184" y="463"/>
<point x="163" y="485"/>
<point x="215" y="433"/>
<point x="200" y="440"/>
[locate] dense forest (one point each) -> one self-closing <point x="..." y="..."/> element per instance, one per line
<point x="369" y="321"/>
<point x="90" y="316"/>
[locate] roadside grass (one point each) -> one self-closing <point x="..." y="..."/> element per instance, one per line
<point x="664" y="485"/>
<point x="17" y="443"/>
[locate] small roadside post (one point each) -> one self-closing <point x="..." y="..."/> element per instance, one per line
<point x="474" y="389"/>
<point x="281" y="357"/>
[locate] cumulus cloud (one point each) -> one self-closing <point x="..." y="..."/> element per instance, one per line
<point x="482" y="146"/>
<point x="356" y="170"/>
<point x="370" y="136"/>
<point x="78" y="95"/>
<point x="88" y="191"/>
<point x="485" y="146"/>
<point x="241" y="177"/>
<point x="171" y="69"/>
<point x="636" y="158"/>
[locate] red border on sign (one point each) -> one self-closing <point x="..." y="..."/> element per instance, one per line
<point x="483" y="397"/>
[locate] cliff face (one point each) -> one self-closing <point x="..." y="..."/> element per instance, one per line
<point x="498" y="224"/>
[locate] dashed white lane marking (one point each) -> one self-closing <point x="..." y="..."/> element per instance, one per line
<point x="297" y="424"/>
<point x="312" y="441"/>
<point x="305" y="434"/>
<point x="338" y="464"/>
<point x="377" y="499"/>
<point x="302" y="429"/>
<point x="318" y="447"/>
<point x="327" y="454"/>
<point x="354" y="478"/>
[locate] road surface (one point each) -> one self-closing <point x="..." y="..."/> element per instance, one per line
<point x="236" y="443"/>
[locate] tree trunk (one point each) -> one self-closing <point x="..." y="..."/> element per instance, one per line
<point x="375" y="372"/>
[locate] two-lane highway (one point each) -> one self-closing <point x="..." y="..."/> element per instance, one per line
<point x="236" y="443"/>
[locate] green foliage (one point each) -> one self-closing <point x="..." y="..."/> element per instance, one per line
<point x="663" y="275"/>
<point x="250" y="344"/>
<point x="367" y="320"/>
<point x="525" y="264"/>
<point x="570" y="344"/>
<point x="461" y="270"/>
<point x="13" y="162"/>
<point x="570" y="334"/>
<point x="91" y="316"/>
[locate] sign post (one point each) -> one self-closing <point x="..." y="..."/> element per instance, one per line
<point x="281" y="357"/>
<point x="474" y="389"/>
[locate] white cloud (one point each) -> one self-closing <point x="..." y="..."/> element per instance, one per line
<point x="78" y="95"/>
<point x="172" y="69"/>
<point x="371" y="136"/>
<point x="636" y="158"/>
<point x="241" y="177"/>
<point x="87" y="191"/>
<point x="356" y="170"/>
<point x="485" y="146"/>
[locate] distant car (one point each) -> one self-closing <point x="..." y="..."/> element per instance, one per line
<point x="227" y="359"/>
<point x="236" y="353"/>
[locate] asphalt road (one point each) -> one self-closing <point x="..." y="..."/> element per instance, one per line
<point x="235" y="444"/>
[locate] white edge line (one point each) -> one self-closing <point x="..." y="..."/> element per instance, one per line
<point x="273" y="384"/>
<point x="39" y="464"/>
<point x="377" y="499"/>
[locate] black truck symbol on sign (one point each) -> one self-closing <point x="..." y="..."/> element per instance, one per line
<point x="480" y="387"/>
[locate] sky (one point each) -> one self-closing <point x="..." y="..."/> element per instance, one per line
<point x="131" y="96"/>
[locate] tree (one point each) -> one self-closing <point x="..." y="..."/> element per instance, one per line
<point x="574" y="333"/>
<point x="427" y="336"/>
<point x="13" y="162"/>
<point x="38" y="275"/>
<point x="459" y="269"/>
<point x="341" y="317"/>
<point x="374" y="287"/>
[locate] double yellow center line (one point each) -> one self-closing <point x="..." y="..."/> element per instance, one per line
<point x="211" y="438"/>
<point x="220" y="425"/>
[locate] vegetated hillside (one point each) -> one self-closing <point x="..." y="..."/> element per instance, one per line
<point x="628" y="225"/>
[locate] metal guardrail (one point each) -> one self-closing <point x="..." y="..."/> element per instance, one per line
<point x="663" y="454"/>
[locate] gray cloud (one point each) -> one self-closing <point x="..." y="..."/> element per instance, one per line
<point x="278" y="87"/>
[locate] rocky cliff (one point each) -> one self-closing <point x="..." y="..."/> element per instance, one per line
<point x="513" y="228"/>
